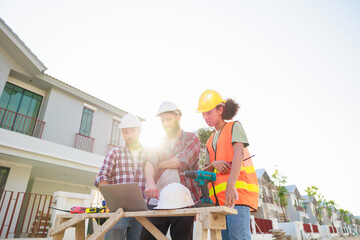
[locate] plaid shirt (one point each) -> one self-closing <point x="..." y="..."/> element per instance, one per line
<point x="118" y="167"/>
<point x="186" y="149"/>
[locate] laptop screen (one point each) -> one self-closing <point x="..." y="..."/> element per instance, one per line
<point x="124" y="195"/>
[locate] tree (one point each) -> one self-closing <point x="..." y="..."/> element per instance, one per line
<point x="330" y="207"/>
<point x="280" y="181"/>
<point x="313" y="193"/>
<point x="344" y="216"/>
<point x="204" y="134"/>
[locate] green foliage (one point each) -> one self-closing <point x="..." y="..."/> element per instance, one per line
<point x="330" y="207"/>
<point x="280" y="181"/>
<point x="204" y="134"/>
<point x="344" y="215"/>
<point x="312" y="192"/>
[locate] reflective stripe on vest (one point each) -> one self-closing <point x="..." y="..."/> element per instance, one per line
<point x="239" y="184"/>
<point x="249" y="169"/>
<point x="246" y="184"/>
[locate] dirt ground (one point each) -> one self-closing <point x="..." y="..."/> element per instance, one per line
<point x="348" y="238"/>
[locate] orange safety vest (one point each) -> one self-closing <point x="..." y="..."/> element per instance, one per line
<point x="246" y="184"/>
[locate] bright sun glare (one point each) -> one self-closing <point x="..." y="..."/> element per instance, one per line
<point x="152" y="133"/>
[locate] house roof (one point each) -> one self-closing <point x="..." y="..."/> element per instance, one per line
<point x="35" y="68"/>
<point x="308" y="198"/>
<point x="94" y="100"/>
<point x="293" y="189"/>
<point x="17" y="49"/>
<point x="290" y="188"/>
<point x="260" y="172"/>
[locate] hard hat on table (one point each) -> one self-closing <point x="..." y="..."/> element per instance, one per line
<point x="173" y="196"/>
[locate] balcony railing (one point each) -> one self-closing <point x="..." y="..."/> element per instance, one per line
<point x="307" y="228"/>
<point x="24" y="214"/>
<point x="315" y="228"/>
<point x="263" y="225"/>
<point x="301" y="209"/>
<point x="333" y="230"/>
<point x="268" y="199"/>
<point x="21" y="123"/>
<point x="83" y="142"/>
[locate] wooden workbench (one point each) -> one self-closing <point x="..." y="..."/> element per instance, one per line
<point x="212" y="218"/>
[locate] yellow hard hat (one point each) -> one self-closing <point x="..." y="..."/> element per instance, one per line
<point x="209" y="100"/>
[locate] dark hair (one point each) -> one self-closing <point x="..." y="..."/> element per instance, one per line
<point x="230" y="109"/>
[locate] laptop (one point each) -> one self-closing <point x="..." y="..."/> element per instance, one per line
<point x="124" y="195"/>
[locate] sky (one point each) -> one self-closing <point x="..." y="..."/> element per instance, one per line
<point x="293" y="66"/>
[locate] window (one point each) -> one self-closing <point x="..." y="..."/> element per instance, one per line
<point x="4" y="173"/>
<point x="295" y="203"/>
<point x="19" y="100"/>
<point x="275" y="195"/>
<point x="261" y="193"/>
<point x="115" y="133"/>
<point x="86" y="121"/>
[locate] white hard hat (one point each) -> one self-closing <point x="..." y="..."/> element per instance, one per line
<point x="168" y="107"/>
<point x="174" y="195"/>
<point x="130" y="121"/>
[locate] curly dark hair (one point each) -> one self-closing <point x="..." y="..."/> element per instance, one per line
<point x="230" y="109"/>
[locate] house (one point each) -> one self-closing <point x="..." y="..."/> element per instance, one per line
<point x="268" y="207"/>
<point x="53" y="137"/>
<point x="295" y="205"/>
<point x="309" y="206"/>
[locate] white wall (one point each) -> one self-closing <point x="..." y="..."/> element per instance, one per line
<point x="293" y="229"/>
<point x="62" y="116"/>
<point x="6" y="64"/>
<point x="101" y="131"/>
<point x="67" y="200"/>
<point x="292" y="211"/>
<point x="18" y="176"/>
<point x="64" y="110"/>
<point x="47" y="186"/>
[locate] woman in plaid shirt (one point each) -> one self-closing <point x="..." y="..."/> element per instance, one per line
<point x="124" y="164"/>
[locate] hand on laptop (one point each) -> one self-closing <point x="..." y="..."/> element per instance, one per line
<point x="151" y="191"/>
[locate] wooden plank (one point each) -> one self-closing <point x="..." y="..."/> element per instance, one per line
<point x="215" y="216"/>
<point x="213" y="221"/>
<point x="60" y="235"/>
<point x="69" y="223"/>
<point x="204" y="234"/>
<point x="107" y="225"/>
<point x="215" y="234"/>
<point x="183" y="212"/>
<point x="151" y="228"/>
<point x="80" y="231"/>
<point x="161" y="213"/>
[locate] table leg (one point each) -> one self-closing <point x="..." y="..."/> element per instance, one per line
<point x="80" y="231"/>
<point x="151" y="228"/>
<point x="60" y="235"/>
<point x="215" y="234"/>
<point x="107" y="225"/>
<point x="204" y="234"/>
<point x="66" y="224"/>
